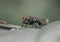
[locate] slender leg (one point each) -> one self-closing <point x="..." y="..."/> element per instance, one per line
<point x="25" y="25"/>
<point x="22" y="24"/>
<point x="35" y="25"/>
<point x="32" y="25"/>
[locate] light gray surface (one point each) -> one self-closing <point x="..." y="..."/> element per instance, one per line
<point x="48" y="33"/>
<point x="3" y="30"/>
<point x="23" y="35"/>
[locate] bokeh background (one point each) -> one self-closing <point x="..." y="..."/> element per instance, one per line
<point x="13" y="10"/>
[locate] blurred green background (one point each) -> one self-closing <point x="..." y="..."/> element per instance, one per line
<point x="13" y="10"/>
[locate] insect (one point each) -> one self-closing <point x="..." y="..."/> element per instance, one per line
<point x="29" y="20"/>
